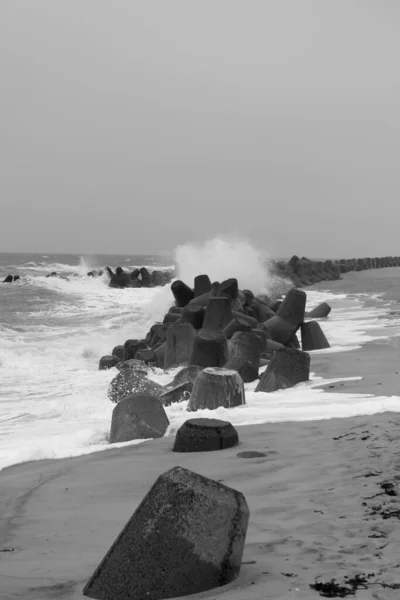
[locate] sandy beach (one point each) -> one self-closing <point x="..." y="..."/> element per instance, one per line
<point x="323" y="500"/>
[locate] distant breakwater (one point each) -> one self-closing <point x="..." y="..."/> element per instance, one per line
<point x="303" y="271"/>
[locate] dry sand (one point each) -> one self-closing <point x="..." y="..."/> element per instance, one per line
<point x="316" y="501"/>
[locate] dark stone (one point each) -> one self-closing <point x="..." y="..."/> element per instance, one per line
<point x="215" y="387"/>
<point x="251" y="454"/>
<point x="133" y="381"/>
<point x="118" y="351"/>
<point x="205" y="435"/>
<point x="138" y="417"/>
<point x="210" y="349"/>
<point x="9" y="279"/>
<point x="312" y="336"/>
<point x="287" y="368"/>
<point x="108" y="362"/>
<point x="202" y="285"/>
<point x="177" y="394"/>
<point x="131" y="347"/>
<point x="187" y="374"/>
<point x="183" y="294"/>
<point x="16" y="277"/>
<point x="186" y="536"/>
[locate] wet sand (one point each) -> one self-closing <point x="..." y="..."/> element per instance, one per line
<point x="376" y="362"/>
<point x="323" y="501"/>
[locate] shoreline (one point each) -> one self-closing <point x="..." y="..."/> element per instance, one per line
<point x="308" y="513"/>
<point x="306" y="496"/>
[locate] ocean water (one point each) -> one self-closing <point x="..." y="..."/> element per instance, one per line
<point x="53" y="399"/>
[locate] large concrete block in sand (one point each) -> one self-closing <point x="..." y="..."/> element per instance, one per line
<point x="186" y="536"/>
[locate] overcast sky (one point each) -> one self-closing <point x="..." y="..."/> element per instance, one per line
<point x="132" y="126"/>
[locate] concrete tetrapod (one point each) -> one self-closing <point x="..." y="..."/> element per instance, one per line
<point x="229" y="287"/>
<point x="179" y="345"/>
<point x="287" y="368"/>
<point x="218" y="313"/>
<point x="108" y="362"/>
<point x="235" y="325"/>
<point x="280" y="330"/>
<point x="131" y="347"/>
<point x="183" y="294"/>
<point x="187" y="374"/>
<point x="177" y="394"/>
<point x="319" y="312"/>
<point x="210" y="349"/>
<point x="312" y="337"/>
<point x="138" y="417"/>
<point x="171" y="317"/>
<point x="244" y="352"/>
<point x="132" y="381"/>
<point x="202" y="285"/>
<point x="118" y="351"/>
<point x="293" y="307"/>
<point x="205" y="435"/>
<point x="186" y="536"/>
<point x="193" y="314"/>
<point x="215" y="387"/>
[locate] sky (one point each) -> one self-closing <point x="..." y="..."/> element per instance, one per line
<point x="133" y="126"/>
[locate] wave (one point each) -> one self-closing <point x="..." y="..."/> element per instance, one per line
<point x="85" y="265"/>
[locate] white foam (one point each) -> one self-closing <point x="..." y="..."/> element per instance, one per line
<point x="54" y="400"/>
<point x="223" y="257"/>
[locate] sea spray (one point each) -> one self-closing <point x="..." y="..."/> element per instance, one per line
<point x="223" y="257"/>
<point x="53" y="332"/>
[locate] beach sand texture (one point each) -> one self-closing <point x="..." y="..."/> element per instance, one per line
<point x="323" y="501"/>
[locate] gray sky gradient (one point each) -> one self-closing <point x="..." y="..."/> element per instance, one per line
<point x="131" y="126"/>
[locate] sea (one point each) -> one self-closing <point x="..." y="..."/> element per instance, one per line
<point x="53" y="331"/>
